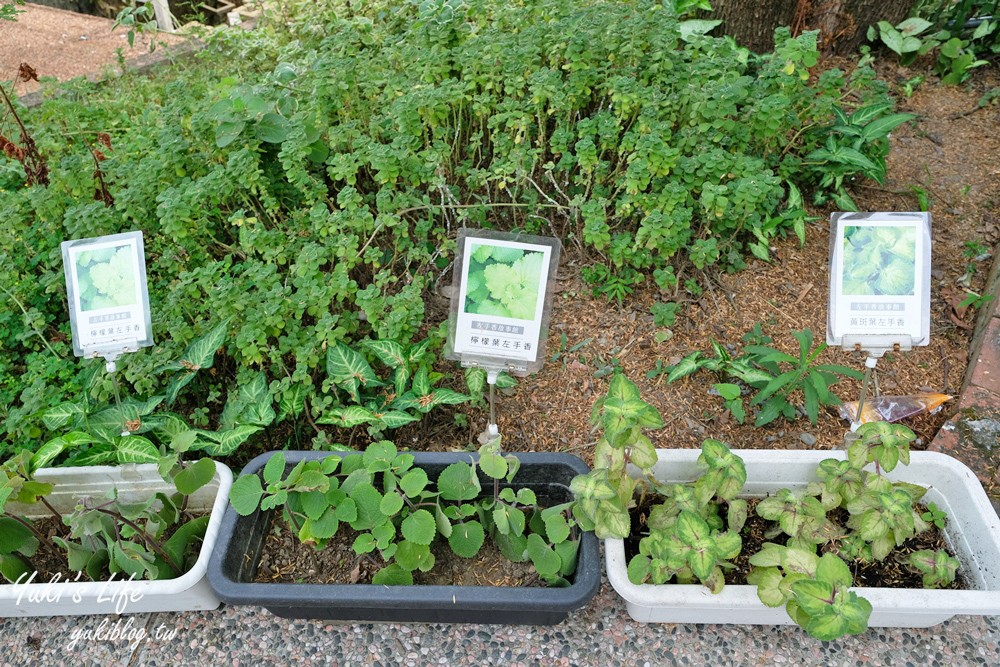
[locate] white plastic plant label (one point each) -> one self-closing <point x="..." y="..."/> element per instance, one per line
<point x="880" y="267"/>
<point x="108" y="296"/>
<point x="502" y="299"/>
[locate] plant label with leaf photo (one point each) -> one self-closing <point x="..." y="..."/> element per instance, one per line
<point x="502" y="307"/>
<point x="879" y="280"/>
<point x="107" y="293"/>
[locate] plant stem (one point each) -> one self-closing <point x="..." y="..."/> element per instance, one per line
<point x="52" y="509"/>
<point x="35" y="331"/>
<point x="37" y="533"/>
<point x="150" y="542"/>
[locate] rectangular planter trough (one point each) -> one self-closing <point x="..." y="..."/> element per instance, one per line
<point x="234" y="565"/>
<point x="973" y="533"/>
<point x="135" y="483"/>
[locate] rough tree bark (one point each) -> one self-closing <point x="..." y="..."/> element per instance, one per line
<point x="842" y="23"/>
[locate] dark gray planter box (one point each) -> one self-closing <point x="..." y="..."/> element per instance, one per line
<point x="237" y="553"/>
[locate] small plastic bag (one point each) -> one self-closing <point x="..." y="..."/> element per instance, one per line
<point x="893" y="408"/>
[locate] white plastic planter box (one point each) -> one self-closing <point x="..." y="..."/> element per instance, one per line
<point x="189" y="592"/>
<point x="973" y="534"/>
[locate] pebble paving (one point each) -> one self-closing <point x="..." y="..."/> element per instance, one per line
<point x="601" y="634"/>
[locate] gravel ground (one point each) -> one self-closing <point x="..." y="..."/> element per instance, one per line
<point x="601" y="634"/>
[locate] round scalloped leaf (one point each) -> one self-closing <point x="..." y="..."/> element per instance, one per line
<point x="420" y="527"/>
<point x="393" y="575"/>
<point x="459" y="482"/>
<point x="545" y="560"/>
<point x="413" y="482"/>
<point x="245" y="494"/>
<point x="412" y="556"/>
<point x="391" y="503"/>
<point x="467" y="538"/>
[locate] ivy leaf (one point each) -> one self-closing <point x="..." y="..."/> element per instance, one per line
<point x="60" y="415"/>
<point x="389" y="352"/>
<point x="292" y="402"/>
<point x="135" y="449"/>
<point x="349" y="370"/>
<point x="201" y="353"/>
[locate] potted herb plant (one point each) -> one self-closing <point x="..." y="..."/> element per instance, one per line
<point x="830" y="513"/>
<point x="133" y="540"/>
<point x="126" y="523"/>
<point x="396" y="510"/>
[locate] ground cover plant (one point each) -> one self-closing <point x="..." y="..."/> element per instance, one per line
<point x="308" y="193"/>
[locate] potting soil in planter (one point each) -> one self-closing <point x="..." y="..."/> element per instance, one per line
<point x="285" y="559"/>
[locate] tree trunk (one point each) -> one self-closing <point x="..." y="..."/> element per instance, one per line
<point x="842" y="23"/>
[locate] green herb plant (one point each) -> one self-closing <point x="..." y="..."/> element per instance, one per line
<point x="310" y="208"/>
<point x="355" y="395"/>
<point x="144" y="538"/>
<point x="9" y="10"/>
<point x="857" y="143"/>
<point x="605" y="495"/>
<point x="94" y="427"/>
<point x="957" y="49"/>
<point x="882" y="516"/>
<point x="692" y="531"/>
<point x="937" y="567"/>
<point x="775" y="378"/>
<point x="398" y="511"/>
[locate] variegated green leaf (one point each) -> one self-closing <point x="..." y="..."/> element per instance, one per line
<point x="135" y="449"/>
<point x="389" y="352"/>
<point x="59" y="416"/>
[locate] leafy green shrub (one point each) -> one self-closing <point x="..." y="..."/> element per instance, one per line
<point x="304" y="181"/>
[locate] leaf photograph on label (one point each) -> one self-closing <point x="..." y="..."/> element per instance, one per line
<point x="879" y="260"/>
<point x="106" y="278"/>
<point x="504" y="281"/>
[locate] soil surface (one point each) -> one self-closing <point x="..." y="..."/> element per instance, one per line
<point x="284" y="559"/>
<point x="64" y="45"/>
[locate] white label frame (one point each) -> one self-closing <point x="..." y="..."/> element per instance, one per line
<point x="116" y="319"/>
<point x="879" y="281"/>
<point x="482" y="330"/>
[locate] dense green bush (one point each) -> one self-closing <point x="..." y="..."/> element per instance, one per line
<point x="305" y="181"/>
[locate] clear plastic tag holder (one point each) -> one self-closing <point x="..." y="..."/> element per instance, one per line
<point x="503" y="285"/>
<point x="502" y="300"/>
<point x="108" y="298"/>
<point x="880" y="271"/>
<point x="880" y="280"/>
